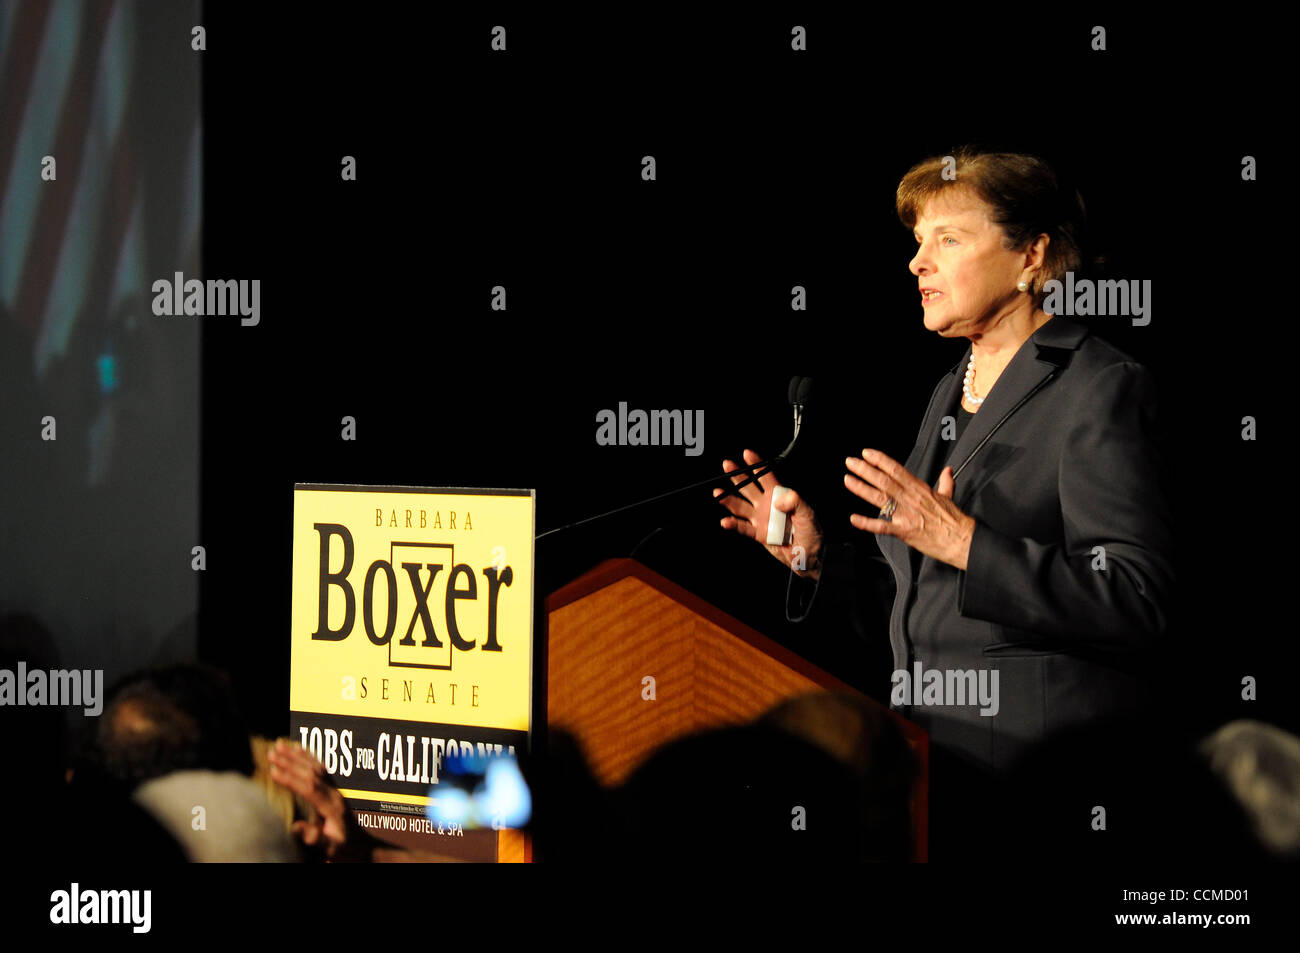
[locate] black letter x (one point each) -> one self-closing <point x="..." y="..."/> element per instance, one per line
<point x="421" y="605"/>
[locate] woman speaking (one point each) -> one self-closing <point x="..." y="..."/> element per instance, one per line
<point x="1028" y="536"/>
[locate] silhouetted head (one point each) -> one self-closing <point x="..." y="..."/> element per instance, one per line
<point x="182" y="717"/>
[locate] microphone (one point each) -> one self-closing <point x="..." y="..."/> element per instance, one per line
<point x="799" y="393"/>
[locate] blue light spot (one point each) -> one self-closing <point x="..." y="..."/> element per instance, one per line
<point x="107" y="366"/>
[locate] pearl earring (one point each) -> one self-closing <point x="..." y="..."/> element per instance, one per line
<point x="1023" y="286"/>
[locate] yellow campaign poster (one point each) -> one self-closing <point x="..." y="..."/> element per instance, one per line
<point x="412" y="633"/>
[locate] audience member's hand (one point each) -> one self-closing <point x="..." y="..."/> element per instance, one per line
<point x="750" y="512"/>
<point x="336" y="831"/>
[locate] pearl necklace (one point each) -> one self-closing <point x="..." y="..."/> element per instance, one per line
<point x="966" y="384"/>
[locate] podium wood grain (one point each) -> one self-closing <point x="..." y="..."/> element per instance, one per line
<point x="622" y="622"/>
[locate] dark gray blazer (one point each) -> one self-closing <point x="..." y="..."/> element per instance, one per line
<point x="1060" y="458"/>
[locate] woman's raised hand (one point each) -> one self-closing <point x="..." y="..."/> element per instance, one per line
<point x="925" y="518"/>
<point x="750" y="511"/>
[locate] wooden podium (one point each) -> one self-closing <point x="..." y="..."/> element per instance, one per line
<point x="621" y="622"/>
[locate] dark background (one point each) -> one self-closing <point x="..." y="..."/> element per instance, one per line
<point x="775" y="168"/>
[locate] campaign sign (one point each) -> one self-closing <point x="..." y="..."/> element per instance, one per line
<point x="412" y="634"/>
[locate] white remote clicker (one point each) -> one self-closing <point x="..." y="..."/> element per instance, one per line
<point x="777" y="527"/>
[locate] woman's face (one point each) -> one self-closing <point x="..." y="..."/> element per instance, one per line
<point x="961" y="260"/>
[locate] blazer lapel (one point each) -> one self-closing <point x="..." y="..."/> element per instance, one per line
<point x="932" y="447"/>
<point x="1038" y="360"/>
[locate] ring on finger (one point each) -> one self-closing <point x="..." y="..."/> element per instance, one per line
<point x="887" y="511"/>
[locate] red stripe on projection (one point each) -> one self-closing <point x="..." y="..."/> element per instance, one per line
<point x="16" y="84"/>
<point x="57" y="196"/>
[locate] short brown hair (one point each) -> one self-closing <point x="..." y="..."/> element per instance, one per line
<point x="1024" y="198"/>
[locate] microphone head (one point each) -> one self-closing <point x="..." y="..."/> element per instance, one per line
<point x="805" y="391"/>
<point x="792" y="392"/>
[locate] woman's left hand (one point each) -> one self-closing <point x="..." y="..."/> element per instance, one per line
<point x="925" y="518"/>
